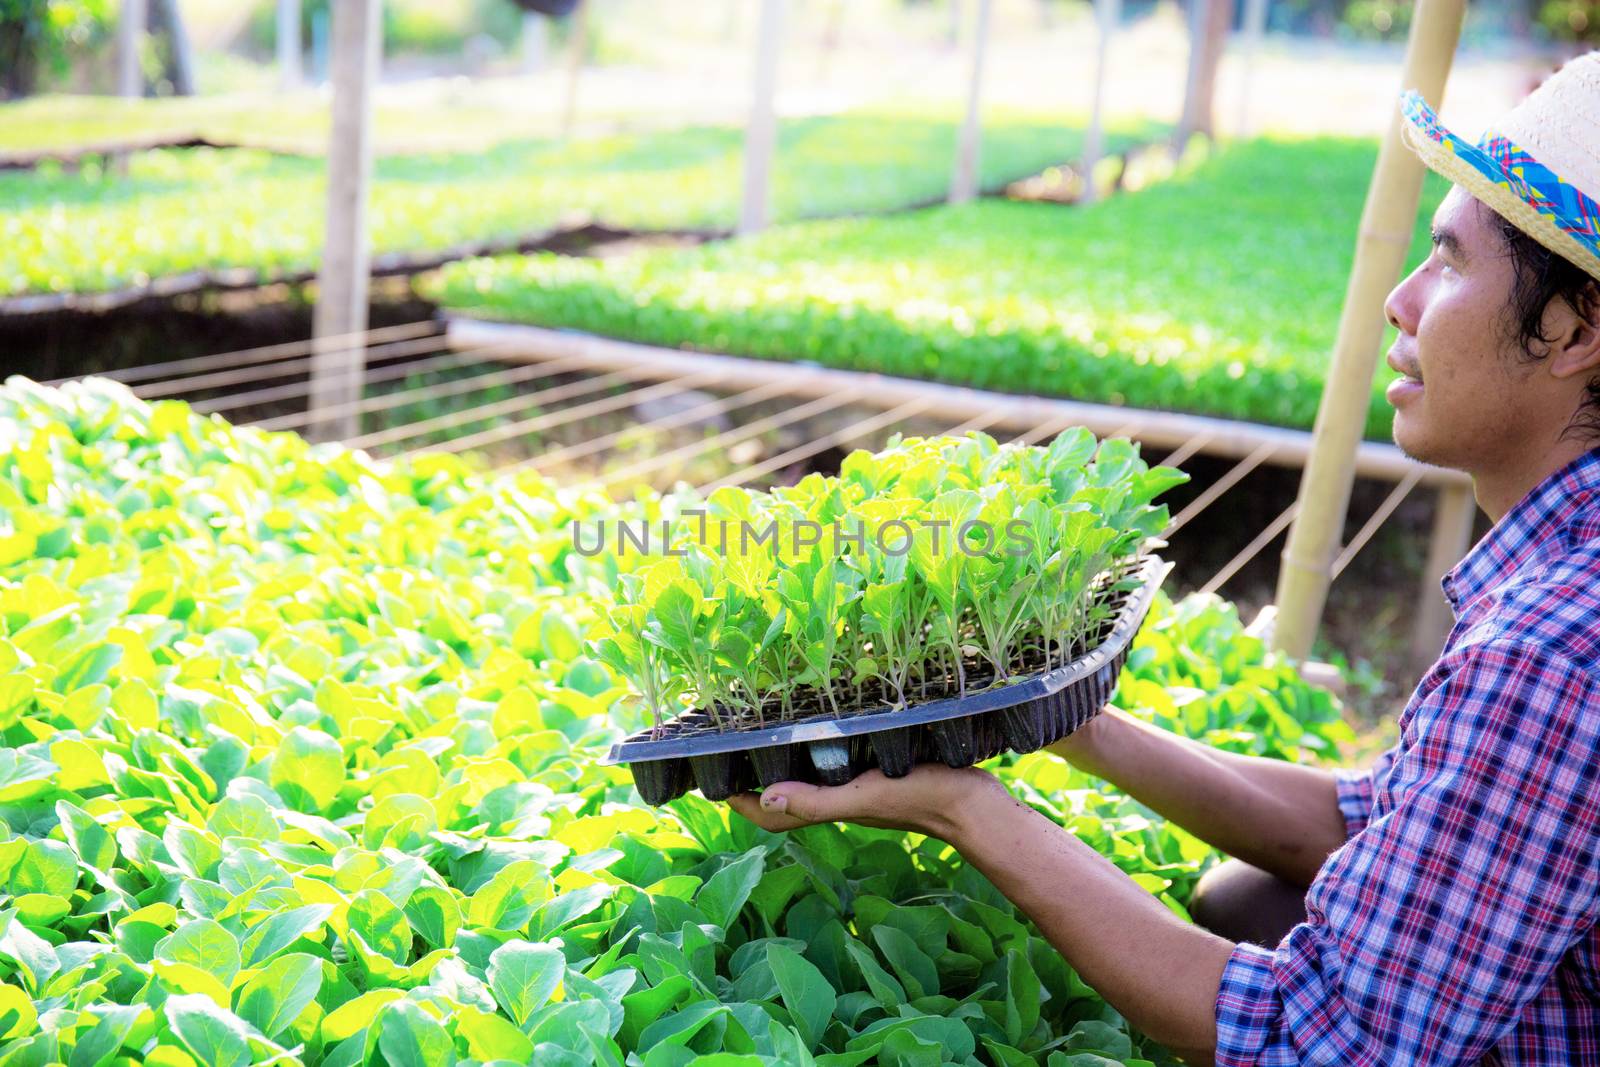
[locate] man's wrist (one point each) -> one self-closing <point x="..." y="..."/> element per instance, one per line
<point x="1081" y="748"/>
<point x="974" y="810"/>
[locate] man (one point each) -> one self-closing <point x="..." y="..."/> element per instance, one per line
<point x="1453" y="888"/>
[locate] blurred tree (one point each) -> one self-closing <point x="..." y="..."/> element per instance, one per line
<point x="41" y="38"/>
<point x="1208" y="30"/>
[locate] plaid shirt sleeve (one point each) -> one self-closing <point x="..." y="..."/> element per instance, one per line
<point x="1356" y="791"/>
<point x="1428" y="931"/>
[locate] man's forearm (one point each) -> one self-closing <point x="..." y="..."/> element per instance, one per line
<point x="1281" y="817"/>
<point x="1157" y="970"/>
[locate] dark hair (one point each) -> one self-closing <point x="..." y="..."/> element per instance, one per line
<point x="1540" y="277"/>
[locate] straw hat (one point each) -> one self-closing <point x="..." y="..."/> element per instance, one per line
<point x="1538" y="167"/>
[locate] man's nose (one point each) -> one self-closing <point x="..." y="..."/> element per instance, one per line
<point x="1398" y="307"/>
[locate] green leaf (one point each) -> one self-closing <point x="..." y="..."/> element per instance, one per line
<point x="308" y="769"/>
<point x="204" y="944"/>
<point x="401" y="820"/>
<point x="885" y="988"/>
<point x="215" y="1037"/>
<point x="806" y="993"/>
<point x="408" y="1036"/>
<point x="94" y="846"/>
<point x="46" y="867"/>
<point x="524" y="976"/>
<point x="910" y="963"/>
<point x="643" y="1006"/>
<point x="725" y="892"/>
<point x="1022" y="997"/>
<point x="491" y="1037"/>
<point x="97" y="1045"/>
<point x="280" y="930"/>
<point x="354" y="1016"/>
<point x="197" y="852"/>
<point x="1092" y="1035"/>
<point x="507" y="900"/>
<point x="17" y="1013"/>
<point x="24" y="776"/>
<point x="381" y="925"/>
<point x="434" y="914"/>
<point x="556" y="915"/>
<point x="279" y="992"/>
<point x="29" y="951"/>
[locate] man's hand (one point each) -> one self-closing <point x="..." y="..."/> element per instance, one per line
<point x="933" y="799"/>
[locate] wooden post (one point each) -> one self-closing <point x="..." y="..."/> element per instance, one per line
<point x="1387" y="223"/>
<point x="828" y="43"/>
<point x="289" y="72"/>
<point x="1255" y="25"/>
<point x="533" y="42"/>
<point x="1191" y="82"/>
<point x="166" y="19"/>
<point x="131" y="21"/>
<point x="337" y="362"/>
<point x="576" y="48"/>
<point x="761" y="132"/>
<point x="1105" y="17"/>
<point x="964" y="182"/>
<point x="1454" y="513"/>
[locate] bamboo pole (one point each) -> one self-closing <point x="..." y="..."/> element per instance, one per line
<point x="131" y="20"/>
<point x="578" y="46"/>
<point x="533" y="42"/>
<point x="761" y="131"/>
<point x="180" y="65"/>
<point x="1387" y="223"/>
<point x="1105" y="17"/>
<point x="337" y="363"/>
<point x="288" y="44"/>
<point x="964" y="182"/>
<point x="1453" y="516"/>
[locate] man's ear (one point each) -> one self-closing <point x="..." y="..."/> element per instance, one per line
<point x="1577" y="346"/>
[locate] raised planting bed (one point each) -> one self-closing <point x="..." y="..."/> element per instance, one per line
<point x="1022" y="715"/>
<point x="870" y="643"/>
<point x="1215" y="292"/>
<point x="194" y="212"/>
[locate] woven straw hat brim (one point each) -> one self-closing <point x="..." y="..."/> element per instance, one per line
<point x="1474" y="170"/>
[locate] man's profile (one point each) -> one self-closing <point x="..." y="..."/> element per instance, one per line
<point x="1439" y="907"/>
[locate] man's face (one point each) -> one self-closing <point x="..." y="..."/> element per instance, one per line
<point x="1462" y="401"/>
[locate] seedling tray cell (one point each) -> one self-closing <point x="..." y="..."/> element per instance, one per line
<point x="1023" y="716"/>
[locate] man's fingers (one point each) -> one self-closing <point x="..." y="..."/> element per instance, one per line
<point x="749" y="805"/>
<point x="820" y="803"/>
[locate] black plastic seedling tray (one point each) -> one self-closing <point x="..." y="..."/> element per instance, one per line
<point x="1023" y="716"/>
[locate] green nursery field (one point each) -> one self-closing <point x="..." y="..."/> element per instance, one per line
<point x="1215" y="292"/>
<point x="182" y="210"/>
<point x="300" y="767"/>
<point x="295" y="121"/>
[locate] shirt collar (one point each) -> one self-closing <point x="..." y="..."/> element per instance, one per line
<point x="1531" y="530"/>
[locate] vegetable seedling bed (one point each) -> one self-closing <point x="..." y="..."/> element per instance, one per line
<point x="689" y="751"/>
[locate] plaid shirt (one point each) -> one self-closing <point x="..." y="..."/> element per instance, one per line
<point x="1456" y="924"/>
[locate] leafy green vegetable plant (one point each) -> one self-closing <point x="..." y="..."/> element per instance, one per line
<point x="301" y="766"/>
<point x="911" y="568"/>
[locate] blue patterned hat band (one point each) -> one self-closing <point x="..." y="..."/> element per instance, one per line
<point x="1539" y="166"/>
